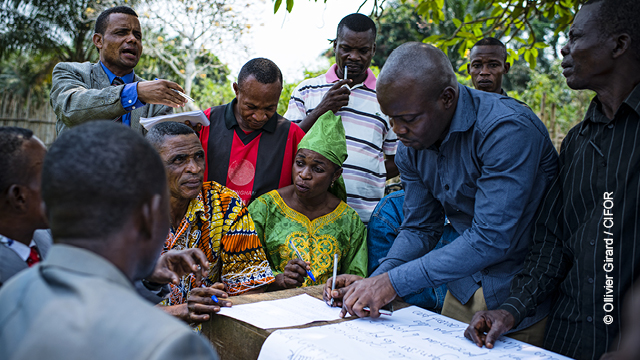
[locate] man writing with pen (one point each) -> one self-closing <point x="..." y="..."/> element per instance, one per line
<point x="110" y="90"/>
<point x="212" y="218"/>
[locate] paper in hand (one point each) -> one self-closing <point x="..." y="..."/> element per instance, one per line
<point x="195" y="117"/>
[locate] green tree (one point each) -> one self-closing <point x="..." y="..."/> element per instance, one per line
<point x="196" y="29"/>
<point x="510" y="19"/>
<point x="61" y="27"/>
<point x="210" y="87"/>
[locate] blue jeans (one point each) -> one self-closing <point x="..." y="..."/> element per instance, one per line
<point x="382" y="230"/>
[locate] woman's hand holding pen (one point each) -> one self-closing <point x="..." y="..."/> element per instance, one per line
<point x="293" y="276"/>
<point x="201" y="302"/>
<point x="342" y="281"/>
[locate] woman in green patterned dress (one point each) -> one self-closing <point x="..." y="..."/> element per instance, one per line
<point x="311" y="215"/>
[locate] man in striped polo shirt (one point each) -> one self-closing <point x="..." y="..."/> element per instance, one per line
<point x="371" y="144"/>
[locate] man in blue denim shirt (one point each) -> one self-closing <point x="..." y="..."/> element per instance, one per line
<point x="487" y="65"/>
<point x="382" y="230"/>
<point x="483" y="160"/>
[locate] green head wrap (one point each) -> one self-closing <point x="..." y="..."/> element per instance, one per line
<point x="327" y="138"/>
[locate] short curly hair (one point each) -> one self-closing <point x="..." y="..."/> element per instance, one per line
<point x="12" y="158"/>
<point x="620" y="16"/>
<point x="103" y="19"/>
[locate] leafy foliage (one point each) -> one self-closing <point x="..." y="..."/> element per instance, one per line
<point x="466" y="21"/>
<point x="183" y="33"/>
<point x="60" y="27"/>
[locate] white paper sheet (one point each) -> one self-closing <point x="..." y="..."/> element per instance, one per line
<point x="411" y="333"/>
<point x="195" y="117"/>
<point x="294" y="311"/>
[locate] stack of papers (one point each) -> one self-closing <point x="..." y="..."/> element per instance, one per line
<point x="411" y="333"/>
<point x="294" y="311"/>
<point x="195" y="117"/>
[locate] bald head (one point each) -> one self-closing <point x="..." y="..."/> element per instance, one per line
<point x="418" y="91"/>
<point x="423" y="64"/>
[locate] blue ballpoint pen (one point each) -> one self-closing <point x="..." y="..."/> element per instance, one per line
<point x="213" y="297"/>
<point x="300" y="257"/>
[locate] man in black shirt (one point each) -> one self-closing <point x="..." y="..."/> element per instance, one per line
<point x="584" y="255"/>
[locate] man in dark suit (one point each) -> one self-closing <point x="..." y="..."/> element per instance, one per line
<point x="21" y="244"/>
<point x="107" y="204"/>
<point x="110" y="90"/>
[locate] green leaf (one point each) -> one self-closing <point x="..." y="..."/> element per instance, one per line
<point x="276" y="6"/>
<point x="456" y="22"/>
<point x="423" y="9"/>
<point x="289" y="5"/>
<point x="463" y="68"/>
<point x="466" y="34"/>
<point x="468" y="18"/>
<point x="431" y="39"/>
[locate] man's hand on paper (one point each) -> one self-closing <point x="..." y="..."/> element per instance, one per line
<point x="293" y="276"/>
<point x="159" y="92"/>
<point x="174" y="264"/>
<point x="494" y="323"/>
<point x="374" y="293"/>
<point x="200" y="305"/>
<point x="342" y="281"/>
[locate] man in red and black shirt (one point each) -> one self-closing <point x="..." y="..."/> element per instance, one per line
<point x="249" y="147"/>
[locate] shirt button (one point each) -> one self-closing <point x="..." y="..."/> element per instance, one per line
<point x="446" y="187"/>
<point x="610" y="126"/>
<point x="589" y="319"/>
<point x="604" y="164"/>
<point x="590" y="280"/>
<point x="592" y="242"/>
<point x="133" y="107"/>
<point x="129" y="101"/>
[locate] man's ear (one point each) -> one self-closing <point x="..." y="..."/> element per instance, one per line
<point x="45" y="211"/>
<point x="507" y="66"/>
<point x="150" y="214"/>
<point x="373" y="52"/>
<point x="469" y="69"/>
<point x="17" y="197"/>
<point x="622" y="42"/>
<point x="97" y="40"/>
<point x="448" y="96"/>
<point x="236" y="88"/>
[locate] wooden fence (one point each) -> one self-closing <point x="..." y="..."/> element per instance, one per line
<point x="38" y="118"/>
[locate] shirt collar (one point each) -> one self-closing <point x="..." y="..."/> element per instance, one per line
<point x="84" y="261"/>
<point x="21" y="249"/>
<point x="594" y="112"/>
<point x="369" y="81"/>
<point x="127" y="79"/>
<point x="230" y="119"/>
